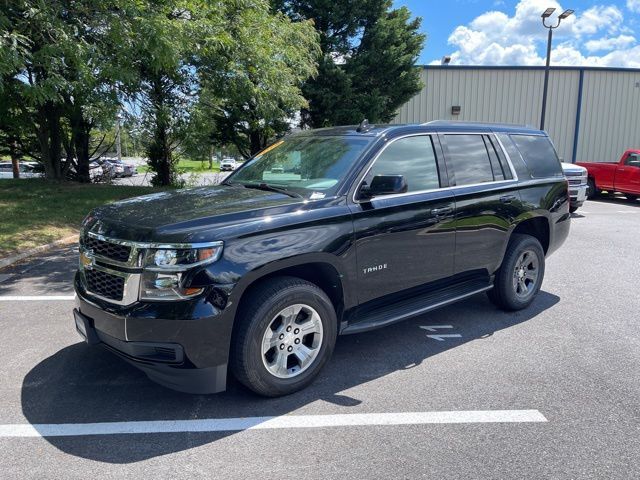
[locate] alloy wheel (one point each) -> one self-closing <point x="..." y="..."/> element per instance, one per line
<point x="292" y="341"/>
<point x="525" y="274"/>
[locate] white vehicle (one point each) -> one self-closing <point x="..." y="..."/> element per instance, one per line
<point x="578" y="186"/>
<point x="27" y="170"/>
<point x="228" y="164"/>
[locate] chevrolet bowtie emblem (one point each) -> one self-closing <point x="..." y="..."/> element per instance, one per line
<point x="86" y="259"/>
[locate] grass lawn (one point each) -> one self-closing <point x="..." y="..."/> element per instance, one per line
<point x="189" y="166"/>
<point x="36" y="211"/>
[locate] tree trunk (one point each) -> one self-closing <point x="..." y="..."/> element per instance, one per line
<point x="159" y="151"/>
<point x="49" y="138"/>
<point x="256" y="142"/>
<point x="15" y="160"/>
<point x="55" y="143"/>
<point x="80" y="133"/>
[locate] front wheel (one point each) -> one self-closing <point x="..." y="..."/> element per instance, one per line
<point x="630" y="197"/>
<point x="573" y="209"/>
<point x="591" y="189"/>
<point x="284" y="336"/>
<point x="520" y="276"/>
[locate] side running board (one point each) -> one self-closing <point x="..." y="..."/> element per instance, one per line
<point x="396" y="312"/>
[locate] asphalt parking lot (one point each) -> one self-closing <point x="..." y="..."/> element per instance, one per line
<point x="563" y="375"/>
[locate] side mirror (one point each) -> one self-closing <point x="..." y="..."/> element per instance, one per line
<point x="384" y="185"/>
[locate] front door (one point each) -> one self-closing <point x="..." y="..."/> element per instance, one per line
<point x="628" y="176"/>
<point x="408" y="239"/>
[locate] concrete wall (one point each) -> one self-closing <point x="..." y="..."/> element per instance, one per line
<point x="610" y="113"/>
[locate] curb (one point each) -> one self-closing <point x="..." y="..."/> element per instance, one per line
<point x="8" y="261"/>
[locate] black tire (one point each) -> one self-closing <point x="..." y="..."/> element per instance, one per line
<point x="631" y="198"/>
<point x="592" y="192"/>
<point x="264" y="304"/>
<point x="504" y="293"/>
<point x="573" y="209"/>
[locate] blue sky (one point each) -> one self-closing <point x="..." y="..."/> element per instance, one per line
<point x="505" y="32"/>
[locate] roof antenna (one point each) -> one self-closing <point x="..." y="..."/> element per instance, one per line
<point x="363" y="127"/>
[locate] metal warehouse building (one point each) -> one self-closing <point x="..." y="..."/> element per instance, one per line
<point x="593" y="114"/>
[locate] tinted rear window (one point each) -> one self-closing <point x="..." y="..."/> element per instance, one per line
<point x="539" y="155"/>
<point x="469" y="160"/>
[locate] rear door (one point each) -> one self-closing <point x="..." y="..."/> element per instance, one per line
<point x="405" y="240"/>
<point x="487" y="199"/>
<point x="628" y="174"/>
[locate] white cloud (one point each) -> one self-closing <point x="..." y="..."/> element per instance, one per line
<point x="598" y="18"/>
<point x="496" y="38"/>
<point x="633" y="5"/>
<point x="610" y="43"/>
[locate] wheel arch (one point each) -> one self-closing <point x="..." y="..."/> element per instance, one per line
<point x="320" y="269"/>
<point x="538" y="227"/>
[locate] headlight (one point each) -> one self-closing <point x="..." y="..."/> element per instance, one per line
<point x="180" y="259"/>
<point x="164" y="269"/>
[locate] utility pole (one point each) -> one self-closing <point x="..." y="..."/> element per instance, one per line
<point x="546" y="14"/>
<point x="118" y="144"/>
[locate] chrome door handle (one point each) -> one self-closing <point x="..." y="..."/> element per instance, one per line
<point x="508" y="198"/>
<point x="440" y="212"/>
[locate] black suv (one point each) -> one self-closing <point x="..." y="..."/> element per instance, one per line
<point x="326" y="232"/>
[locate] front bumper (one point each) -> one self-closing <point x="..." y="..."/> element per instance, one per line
<point x="181" y="345"/>
<point x="578" y="195"/>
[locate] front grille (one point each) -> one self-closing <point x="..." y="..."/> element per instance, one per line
<point x="104" y="284"/>
<point x="109" y="250"/>
<point x="576" y="181"/>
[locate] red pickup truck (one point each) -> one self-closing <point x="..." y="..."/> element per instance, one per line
<point x="623" y="176"/>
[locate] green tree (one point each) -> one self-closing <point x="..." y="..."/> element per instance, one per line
<point x="64" y="63"/>
<point x="369" y="51"/>
<point x="16" y="137"/>
<point x="259" y="92"/>
<point x="169" y="38"/>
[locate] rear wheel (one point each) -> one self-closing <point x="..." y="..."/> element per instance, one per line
<point x="573" y="209"/>
<point x="631" y="198"/>
<point x="520" y="276"/>
<point x="284" y="337"/>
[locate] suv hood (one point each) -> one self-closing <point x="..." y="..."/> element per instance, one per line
<point x="184" y="215"/>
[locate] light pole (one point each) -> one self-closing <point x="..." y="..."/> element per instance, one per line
<point x="546" y="14"/>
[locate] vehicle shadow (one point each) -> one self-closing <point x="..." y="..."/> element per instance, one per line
<point x="82" y="384"/>
<point x="616" y="200"/>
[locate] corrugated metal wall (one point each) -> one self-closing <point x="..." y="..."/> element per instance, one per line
<point x="609" y="122"/>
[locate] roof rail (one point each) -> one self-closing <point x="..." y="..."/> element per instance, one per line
<point x="493" y="124"/>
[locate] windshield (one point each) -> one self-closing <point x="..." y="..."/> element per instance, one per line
<point x="311" y="166"/>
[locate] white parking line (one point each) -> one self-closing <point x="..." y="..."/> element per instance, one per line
<point x="35" y="298"/>
<point x="261" y="423"/>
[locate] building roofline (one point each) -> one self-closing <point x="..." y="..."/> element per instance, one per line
<point x="527" y="67"/>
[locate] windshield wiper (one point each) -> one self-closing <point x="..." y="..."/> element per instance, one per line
<point x="271" y="188"/>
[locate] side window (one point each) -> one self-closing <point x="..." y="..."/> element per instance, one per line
<point x="413" y="157"/>
<point x="633" y="160"/>
<point x="501" y="170"/>
<point x="498" y="173"/>
<point x="468" y="159"/>
<point x="514" y="155"/>
<point x="539" y="155"/>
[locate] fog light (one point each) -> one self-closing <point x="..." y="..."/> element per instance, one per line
<point x="166" y="281"/>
